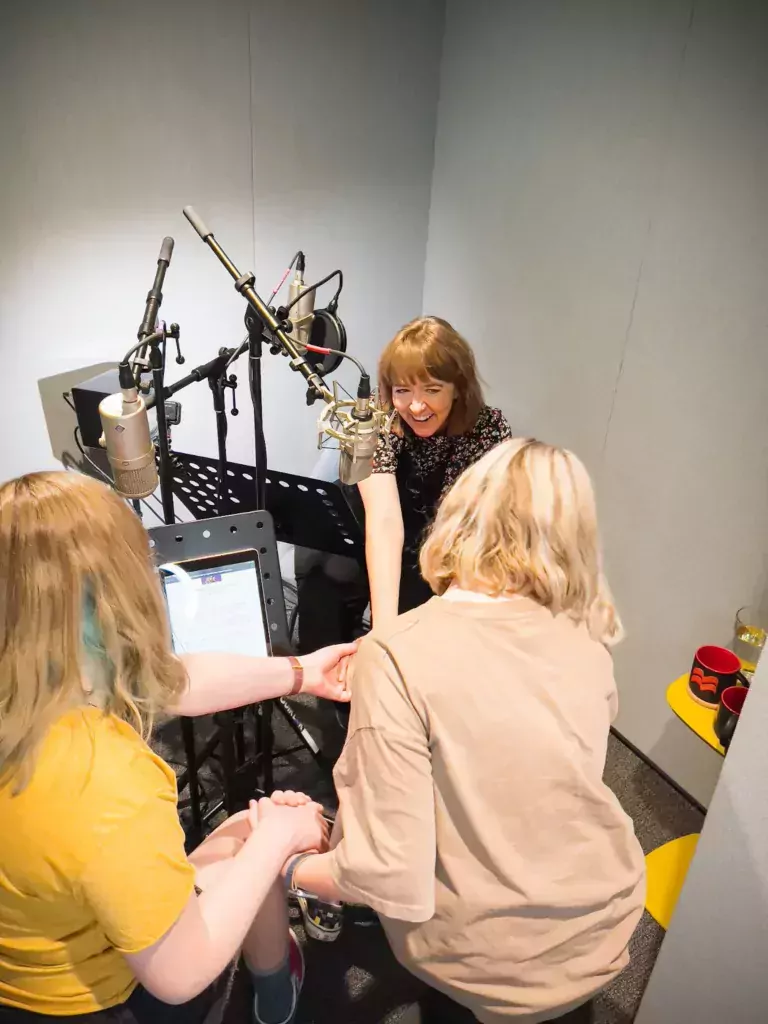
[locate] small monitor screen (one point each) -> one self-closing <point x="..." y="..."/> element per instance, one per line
<point x="216" y="604"/>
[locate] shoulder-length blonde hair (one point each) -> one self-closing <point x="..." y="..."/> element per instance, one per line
<point x="522" y="520"/>
<point x="70" y="547"/>
<point x="430" y="348"/>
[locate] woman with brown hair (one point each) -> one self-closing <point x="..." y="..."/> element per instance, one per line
<point x="441" y="425"/>
<point x="101" y="918"/>
<point x="472" y="809"/>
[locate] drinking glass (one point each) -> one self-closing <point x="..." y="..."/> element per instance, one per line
<point x="750" y="632"/>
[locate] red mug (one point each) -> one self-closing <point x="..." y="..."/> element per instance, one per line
<point x="714" y="670"/>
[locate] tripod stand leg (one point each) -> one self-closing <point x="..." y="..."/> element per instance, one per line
<point x="302" y="733"/>
<point x="266" y="743"/>
<point x="240" y="740"/>
<point x="226" y="725"/>
<point x="190" y="753"/>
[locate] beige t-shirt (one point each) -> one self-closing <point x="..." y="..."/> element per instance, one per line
<point x="474" y="815"/>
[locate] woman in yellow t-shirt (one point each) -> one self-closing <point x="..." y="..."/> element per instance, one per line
<point x="102" y="914"/>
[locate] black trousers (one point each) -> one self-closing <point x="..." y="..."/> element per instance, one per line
<point x="139" y="1008"/>
<point x="330" y="611"/>
<point x="439" y="1009"/>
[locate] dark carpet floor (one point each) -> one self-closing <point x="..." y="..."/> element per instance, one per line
<point x="356" y="979"/>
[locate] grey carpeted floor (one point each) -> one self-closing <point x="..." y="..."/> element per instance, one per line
<point x="356" y="979"/>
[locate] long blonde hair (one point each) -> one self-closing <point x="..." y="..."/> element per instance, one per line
<point x="72" y="553"/>
<point x="522" y="520"/>
<point x="429" y="347"/>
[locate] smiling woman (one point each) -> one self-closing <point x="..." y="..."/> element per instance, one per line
<point x="424" y="407"/>
<point x="428" y="377"/>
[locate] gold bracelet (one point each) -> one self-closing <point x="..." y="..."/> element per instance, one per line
<point x="298" y="675"/>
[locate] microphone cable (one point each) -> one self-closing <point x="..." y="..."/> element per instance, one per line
<point x="332" y="305"/>
<point x="333" y="352"/>
<point x="289" y="268"/>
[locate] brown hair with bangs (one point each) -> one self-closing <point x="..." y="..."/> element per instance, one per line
<point x="72" y="551"/>
<point x="429" y="348"/>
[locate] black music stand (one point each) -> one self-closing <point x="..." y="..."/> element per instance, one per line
<point x="252" y="532"/>
<point x="307" y="513"/>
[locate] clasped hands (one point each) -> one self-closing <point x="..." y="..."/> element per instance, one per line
<point x="327" y="672"/>
<point x="295" y="816"/>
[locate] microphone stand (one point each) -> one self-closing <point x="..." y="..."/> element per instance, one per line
<point x="218" y="382"/>
<point x="229" y="724"/>
<point x="265" y="736"/>
<point x="255" y="327"/>
<point x="261" y="321"/>
<point x="214" y="371"/>
<point x="165" y="471"/>
<point x="157" y="345"/>
<point x="217" y="386"/>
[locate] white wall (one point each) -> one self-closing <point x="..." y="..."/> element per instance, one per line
<point x="119" y="114"/>
<point x="285" y="126"/>
<point x="350" y="175"/>
<point x="711" y="967"/>
<point x="596" y="229"/>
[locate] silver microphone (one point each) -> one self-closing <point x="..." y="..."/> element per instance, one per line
<point x="356" y="424"/>
<point x="356" y="452"/>
<point x="301" y="315"/>
<point x="126" y="437"/>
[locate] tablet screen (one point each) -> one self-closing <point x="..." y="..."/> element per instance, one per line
<point x="216" y="604"/>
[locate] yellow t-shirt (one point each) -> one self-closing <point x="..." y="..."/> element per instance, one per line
<point x="92" y="865"/>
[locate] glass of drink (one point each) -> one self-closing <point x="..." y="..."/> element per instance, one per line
<point x="750" y="632"/>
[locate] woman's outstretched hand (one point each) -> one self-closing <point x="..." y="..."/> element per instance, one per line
<point x="294" y="818"/>
<point x="326" y="672"/>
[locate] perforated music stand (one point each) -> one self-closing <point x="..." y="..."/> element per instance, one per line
<point x="251" y="532"/>
<point x="307" y="513"/>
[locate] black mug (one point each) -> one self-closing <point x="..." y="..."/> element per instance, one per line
<point x="728" y="713"/>
<point x="714" y="670"/>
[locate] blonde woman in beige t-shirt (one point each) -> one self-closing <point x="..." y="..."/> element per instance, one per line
<point x="475" y="819"/>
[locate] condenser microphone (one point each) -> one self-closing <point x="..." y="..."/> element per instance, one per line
<point x="356" y="452"/>
<point x="127" y="439"/>
<point x="356" y="425"/>
<point x="301" y="305"/>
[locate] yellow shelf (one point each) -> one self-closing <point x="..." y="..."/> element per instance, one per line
<point x="695" y="716"/>
<point x="666" y="869"/>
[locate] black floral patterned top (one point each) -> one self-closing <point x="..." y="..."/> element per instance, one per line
<point x="445" y="454"/>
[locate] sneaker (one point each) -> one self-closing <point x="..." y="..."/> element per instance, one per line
<point x="322" y="921"/>
<point x="296" y="967"/>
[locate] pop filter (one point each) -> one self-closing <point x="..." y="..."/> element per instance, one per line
<point x="327" y="332"/>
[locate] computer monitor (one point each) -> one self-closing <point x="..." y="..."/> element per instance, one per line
<point x="216" y="603"/>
